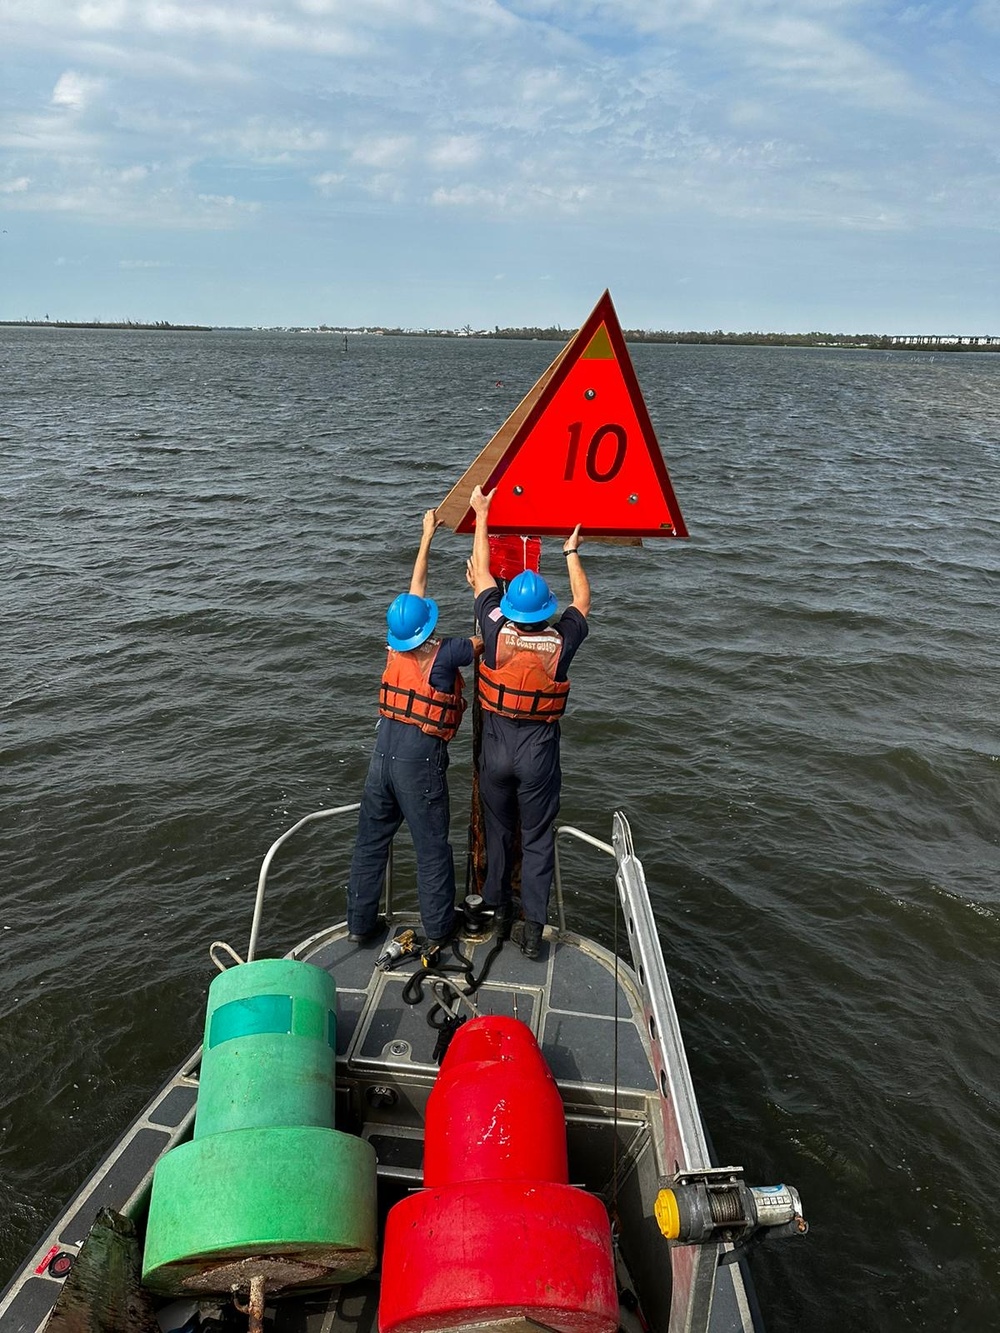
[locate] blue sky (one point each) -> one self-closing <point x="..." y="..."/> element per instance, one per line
<point x="734" y="164"/>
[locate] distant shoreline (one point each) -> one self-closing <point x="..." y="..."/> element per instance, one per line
<point x="125" y="325"/>
<point x="715" y="338"/>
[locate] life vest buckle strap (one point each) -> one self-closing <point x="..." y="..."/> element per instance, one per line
<point x="406" y="695"/>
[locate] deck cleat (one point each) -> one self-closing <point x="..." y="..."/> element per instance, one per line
<point x="475" y="915"/>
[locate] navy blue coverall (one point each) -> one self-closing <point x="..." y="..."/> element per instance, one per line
<point x="520" y="775"/>
<point x="407" y="779"/>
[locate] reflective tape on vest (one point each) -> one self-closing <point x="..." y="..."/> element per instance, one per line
<point x="406" y="694"/>
<point x="522" y="685"/>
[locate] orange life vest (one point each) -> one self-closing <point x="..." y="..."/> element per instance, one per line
<point x="406" y="693"/>
<point x="523" y="683"/>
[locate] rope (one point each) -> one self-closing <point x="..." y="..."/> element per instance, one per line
<point x="441" y="1016"/>
<point x="614" y="1154"/>
<point x="440" y="984"/>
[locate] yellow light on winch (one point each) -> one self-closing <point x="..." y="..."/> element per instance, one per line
<point x="668" y="1218"/>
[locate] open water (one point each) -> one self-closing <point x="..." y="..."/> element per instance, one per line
<point x="797" y="709"/>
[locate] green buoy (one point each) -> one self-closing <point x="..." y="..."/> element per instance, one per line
<point x="267" y="1188"/>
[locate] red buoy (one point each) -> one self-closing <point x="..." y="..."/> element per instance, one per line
<point x="510" y="556"/>
<point x="497" y="1233"/>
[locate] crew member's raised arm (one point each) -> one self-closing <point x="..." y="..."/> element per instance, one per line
<point x="579" y="584"/>
<point x="418" y="580"/>
<point x="479" y="566"/>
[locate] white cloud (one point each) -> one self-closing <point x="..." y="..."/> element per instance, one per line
<point x="327" y="181"/>
<point x="155" y="67"/>
<point x="813" y="57"/>
<point x="49" y="135"/>
<point x="240" y="25"/>
<point x="135" y="196"/>
<point x="16" y="186"/>
<point x="142" y="263"/>
<point x="384" y="186"/>
<point x="605" y="110"/>
<point x="516" y="200"/>
<point x="104" y="13"/>
<point x="470" y="196"/>
<point x="987" y="12"/>
<point x="228" y="202"/>
<point x="383" y="151"/>
<point x="460" y="150"/>
<point x="262" y="140"/>
<point x="551" y="87"/>
<point x="76" y="91"/>
<point x="748" y="114"/>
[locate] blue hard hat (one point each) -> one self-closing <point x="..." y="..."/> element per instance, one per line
<point x="411" y="620"/>
<point x="528" y="599"/>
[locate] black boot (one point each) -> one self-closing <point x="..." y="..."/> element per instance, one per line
<point x="365" y="937"/>
<point x="531" y="938"/>
<point x="503" y="919"/>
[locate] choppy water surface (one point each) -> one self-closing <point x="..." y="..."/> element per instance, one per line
<point x="797" y="709"/>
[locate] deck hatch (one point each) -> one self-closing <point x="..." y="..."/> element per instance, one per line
<point x="580" y="1049"/>
<point x="583" y="984"/>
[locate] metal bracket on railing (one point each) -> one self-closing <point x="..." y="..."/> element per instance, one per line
<point x="572" y="832"/>
<point x="692" y="1267"/>
<point x="221" y="944"/>
<point x="262" y="878"/>
<point x="673" y="1073"/>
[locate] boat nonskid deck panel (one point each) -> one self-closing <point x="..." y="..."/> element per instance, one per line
<point x="607" y="1031"/>
<point x="567" y="997"/>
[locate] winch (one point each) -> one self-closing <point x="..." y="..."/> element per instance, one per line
<point x="716" y="1205"/>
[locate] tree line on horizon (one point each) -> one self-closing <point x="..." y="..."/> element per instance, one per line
<point x="47" y="323"/>
<point x="555" y="333"/>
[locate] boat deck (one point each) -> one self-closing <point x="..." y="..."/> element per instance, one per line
<point x="569" y="996"/>
<point x="608" y="1041"/>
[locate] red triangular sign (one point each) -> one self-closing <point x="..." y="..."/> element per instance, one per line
<point x="579" y="448"/>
